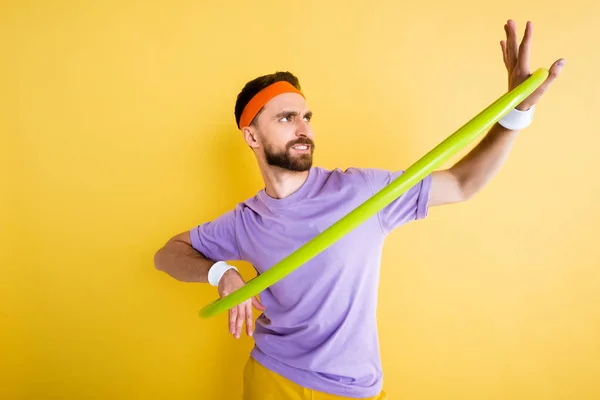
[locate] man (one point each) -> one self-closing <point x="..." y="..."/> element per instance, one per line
<point x="317" y="336"/>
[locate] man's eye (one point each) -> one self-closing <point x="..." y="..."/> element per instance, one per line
<point x="289" y="118"/>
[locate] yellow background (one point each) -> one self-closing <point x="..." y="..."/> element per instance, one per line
<point x="118" y="132"/>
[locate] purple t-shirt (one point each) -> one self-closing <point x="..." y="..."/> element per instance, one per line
<point x="319" y="328"/>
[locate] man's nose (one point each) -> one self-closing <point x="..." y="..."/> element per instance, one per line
<point x="303" y="129"/>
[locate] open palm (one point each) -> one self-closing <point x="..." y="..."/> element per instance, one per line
<point x="516" y="60"/>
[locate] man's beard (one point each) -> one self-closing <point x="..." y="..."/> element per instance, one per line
<point x="292" y="162"/>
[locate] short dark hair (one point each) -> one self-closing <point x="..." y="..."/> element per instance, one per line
<point x="256" y="85"/>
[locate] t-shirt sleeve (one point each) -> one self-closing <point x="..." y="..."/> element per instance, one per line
<point x="216" y="239"/>
<point x="410" y="206"/>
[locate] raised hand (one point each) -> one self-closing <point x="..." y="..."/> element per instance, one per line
<point x="516" y="60"/>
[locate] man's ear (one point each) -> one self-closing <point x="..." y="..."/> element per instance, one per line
<point x="250" y="135"/>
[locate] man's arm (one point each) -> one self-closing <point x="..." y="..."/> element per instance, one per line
<point x="475" y="170"/>
<point x="181" y="261"/>
<point x="470" y="174"/>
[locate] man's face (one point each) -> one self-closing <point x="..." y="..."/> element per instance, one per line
<point x="285" y="134"/>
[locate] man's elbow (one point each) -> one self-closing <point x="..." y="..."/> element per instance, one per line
<point x="467" y="191"/>
<point x="466" y="195"/>
<point x="163" y="255"/>
<point x="158" y="259"/>
<point x="176" y="245"/>
<point x="467" y="186"/>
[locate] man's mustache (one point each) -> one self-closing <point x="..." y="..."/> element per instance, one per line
<point x="306" y="141"/>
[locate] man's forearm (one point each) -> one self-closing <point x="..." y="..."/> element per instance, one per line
<point x="482" y="163"/>
<point x="182" y="262"/>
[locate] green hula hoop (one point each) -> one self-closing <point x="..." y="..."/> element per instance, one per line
<point x="413" y="175"/>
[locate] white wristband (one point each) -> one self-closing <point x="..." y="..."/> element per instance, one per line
<point x="216" y="272"/>
<point x="516" y="119"/>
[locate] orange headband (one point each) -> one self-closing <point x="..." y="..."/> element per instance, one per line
<point x="262" y="98"/>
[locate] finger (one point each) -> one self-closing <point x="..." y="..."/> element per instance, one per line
<point x="554" y="71"/>
<point x="232" y="319"/>
<point x="503" y="46"/>
<point x="525" y="47"/>
<point x="557" y="68"/>
<point x="257" y="304"/>
<point x="240" y="320"/>
<point x="249" y="319"/>
<point x="512" y="43"/>
<point x="507" y="49"/>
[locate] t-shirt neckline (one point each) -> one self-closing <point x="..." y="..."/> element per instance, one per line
<point x="297" y="195"/>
